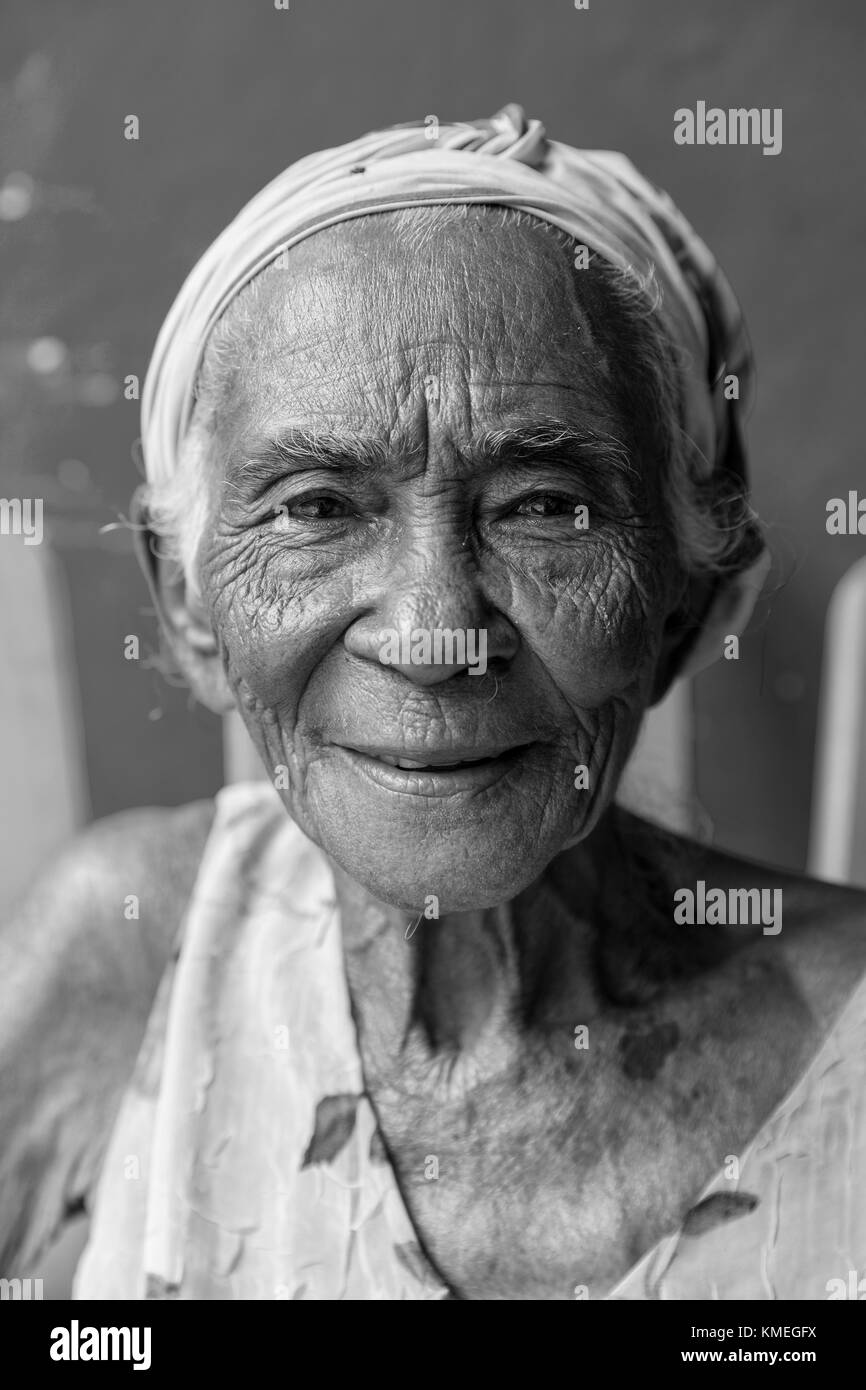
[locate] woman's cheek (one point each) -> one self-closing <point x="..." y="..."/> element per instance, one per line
<point x="274" y="630"/>
<point x="590" y="625"/>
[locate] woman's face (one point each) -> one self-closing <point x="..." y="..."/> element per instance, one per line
<point x="408" y="437"/>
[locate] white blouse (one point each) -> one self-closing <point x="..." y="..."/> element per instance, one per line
<point x="245" y="1162"/>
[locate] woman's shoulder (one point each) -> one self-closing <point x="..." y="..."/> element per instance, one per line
<point x="817" y="929"/>
<point x="781" y="1219"/>
<point x="170" y="838"/>
<point x="137" y="865"/>
<point x="81" y="957"/>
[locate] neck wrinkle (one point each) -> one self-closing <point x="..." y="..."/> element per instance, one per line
<point x="455" y="1003"/>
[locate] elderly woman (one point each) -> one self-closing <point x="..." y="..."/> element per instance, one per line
<point x="425" y="1014"/>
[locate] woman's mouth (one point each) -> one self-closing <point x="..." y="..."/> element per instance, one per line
<point x="408" y="763"/>
<point x="445" y="772"/>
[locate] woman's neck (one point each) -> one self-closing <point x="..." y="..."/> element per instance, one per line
<point x="456" y="995"/>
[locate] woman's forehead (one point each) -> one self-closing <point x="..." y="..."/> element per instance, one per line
<point x="366" y="322"/>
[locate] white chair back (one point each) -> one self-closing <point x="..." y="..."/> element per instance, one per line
<point x="837" y="841"/>
<point x="44" y="798"/>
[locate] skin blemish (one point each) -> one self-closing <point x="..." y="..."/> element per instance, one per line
<point x="643" y="1054"/>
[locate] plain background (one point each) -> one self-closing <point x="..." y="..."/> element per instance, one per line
<point x="228" y="93"/>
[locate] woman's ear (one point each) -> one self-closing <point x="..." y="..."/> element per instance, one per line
<point x="726" y="604"/>
<point x="183" y="618"/>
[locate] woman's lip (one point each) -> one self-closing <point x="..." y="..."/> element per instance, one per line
<point x="437" y="780"/>
<point x="423" y="757"/>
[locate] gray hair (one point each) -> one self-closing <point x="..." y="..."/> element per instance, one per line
<point x="713" y="529"/>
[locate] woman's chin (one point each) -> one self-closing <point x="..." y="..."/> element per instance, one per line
<point x="425" y="889"/>
<point x="475" y="863"/>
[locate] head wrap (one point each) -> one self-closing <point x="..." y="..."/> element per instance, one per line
<point x="597" y="196"/>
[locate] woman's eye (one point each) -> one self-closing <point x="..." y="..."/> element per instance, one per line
<point x="317" y="507"/>
<point x="544" y="504"/>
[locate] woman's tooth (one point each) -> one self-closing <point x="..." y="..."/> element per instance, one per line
<point x="409" y="765"/>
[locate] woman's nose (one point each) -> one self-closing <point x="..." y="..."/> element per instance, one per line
<point x="430" y="619"/>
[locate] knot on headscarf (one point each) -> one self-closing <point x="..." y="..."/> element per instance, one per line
<point x="508" y="133"/>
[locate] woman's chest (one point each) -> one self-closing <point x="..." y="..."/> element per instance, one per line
<point x="551" y="1180"/>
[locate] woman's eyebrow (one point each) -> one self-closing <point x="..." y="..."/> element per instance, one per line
<point x="298" y="449"/>
<point x="523" y="444"/>
<point x="551" y="441"/>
